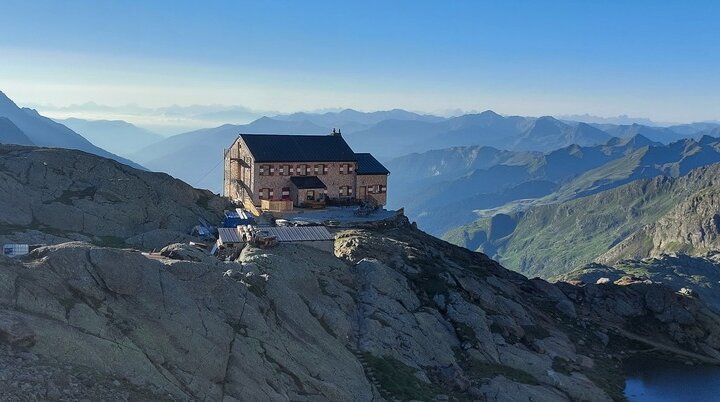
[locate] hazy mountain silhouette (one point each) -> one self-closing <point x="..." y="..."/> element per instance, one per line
<point x="349" y="120"/>
<point x="675" y="159"/>
<point x="11" y="134"/>
<point x="660" y="134"/>
<point x="48" y="133"/>
<point x="389" y="134"/>
<point x="487" y="128"/>
<point x="550" y="133"/>
<point x="507" y="177"/>
<point x="116" y="136"/>
<point x="196" y="157"/>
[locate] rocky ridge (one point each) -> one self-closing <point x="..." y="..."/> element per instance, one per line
<point x="692" y="228"/>
<point x="57" y="195"/>
<point x="697" y="275"/>
<point x="393" y="313"/>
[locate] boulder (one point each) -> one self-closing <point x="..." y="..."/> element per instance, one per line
<point x="186" y="252"/>
<point x="14" y="331"/>
<point x="158" y="238"/>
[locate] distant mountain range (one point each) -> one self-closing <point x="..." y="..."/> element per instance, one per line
<point x="519" y="157"/>
<point x="116" y="136"/>
<point x="389" y="134"/>
<point x="168" y="120"/>
<point x="27" y="127"/>
<point x="196" y="157"/>
<point x="440" y="197"/>
<point x="515" y="133"/>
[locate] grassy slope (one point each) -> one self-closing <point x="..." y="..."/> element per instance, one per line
<point x="553" y="239"/>
<point x="469" y="236"/>
<point x="473" y="234"/>
<point x="610" y="175"/>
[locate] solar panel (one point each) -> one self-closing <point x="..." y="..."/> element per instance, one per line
<point x="300" y="233"/>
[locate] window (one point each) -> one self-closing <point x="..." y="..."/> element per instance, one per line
<point x="310" y="195"/>
<point x="302" y="170"/>
<point x="320" y="169"/>
<point x="383" y="189"/>
<point x="267" y="170"/>
<point x="285" y="170"/>
<point x="346" y="191"/>
<point x="265" y="193"/>
<point x="286" y="193"/>
<point x="347" y="168"/>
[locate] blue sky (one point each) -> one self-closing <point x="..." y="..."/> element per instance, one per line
<point x="654" y="59"/>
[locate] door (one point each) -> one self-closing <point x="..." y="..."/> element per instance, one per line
<point x="362" y="192"/>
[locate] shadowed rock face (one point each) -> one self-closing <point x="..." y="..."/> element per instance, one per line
<point x="54" y="195"/>
<point x="392" y="314"/>
<point x="692" y="227"/>
<point x="698" y="275"/>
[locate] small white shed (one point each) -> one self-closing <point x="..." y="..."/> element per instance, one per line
<point x="14" y="250"/>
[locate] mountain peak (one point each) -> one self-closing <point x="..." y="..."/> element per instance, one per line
<point x="489" y="113"/>
<point x="708" y="139"/>
<point x="636" y="141"/>
<point x="641" y="139"/>
<point x="6" y="101"/>
<point x="263" y="119"/>
<point x="547" y="121"/>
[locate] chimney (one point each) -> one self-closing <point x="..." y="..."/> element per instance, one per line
<point x="336" y="133"/>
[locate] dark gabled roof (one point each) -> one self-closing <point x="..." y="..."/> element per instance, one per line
<point x="298" y="148"/>
<point x="368" y="165"/>
<point x="307" y="182"/>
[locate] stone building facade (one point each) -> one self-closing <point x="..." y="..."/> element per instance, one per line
<point x="372" y="178"/>
<point x="300" y="168"/>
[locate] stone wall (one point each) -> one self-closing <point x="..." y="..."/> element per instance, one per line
<point x="371" y="184"/>
<point x="332" y="178"/>
<point x="300" y="196"/>
<point x="239" y="164"/>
